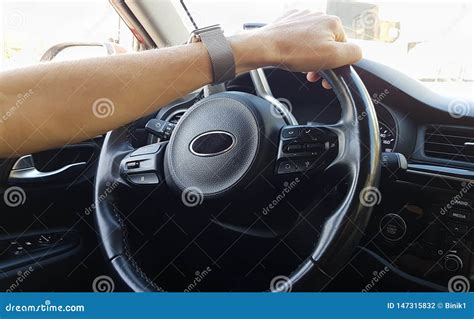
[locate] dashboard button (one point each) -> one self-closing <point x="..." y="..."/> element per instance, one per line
<point x="393" y="227"/>
<point x="458" y="229"/>
<point x="459" y="214"/>
<point x="452" y="263"/>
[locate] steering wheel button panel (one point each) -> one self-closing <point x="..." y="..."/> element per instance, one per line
<point x="308" y="147"/>
<point x="143" y="166"/>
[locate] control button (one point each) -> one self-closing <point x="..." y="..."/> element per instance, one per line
<point x="314" y="147"/>
<point x="144" y="179"/>
<point x="316" y="134"/>
<point x="312" y="134"/>
<point x="463" y="204"/>
<point x="44" y="240"/>
<point x="459" y="214"/>
<point x="290" y="132"/>
<point x="132" y="165"/>
<point x="392" y="227"/>
<point x="452" y="263"/>
<point x="168" y="130"/>
<point x="148" y="149"/>
<point x="306" y="164"/>
<point x="294" y="148"/>
<point x="458" y="229"/>
<point x="287" y="167"/>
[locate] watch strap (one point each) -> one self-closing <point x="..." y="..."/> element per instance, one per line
<point x="220" y="53"/>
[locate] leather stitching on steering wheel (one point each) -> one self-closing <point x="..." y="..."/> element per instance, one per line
<point x="124" y="230"/>
<point x="128" y="253"/>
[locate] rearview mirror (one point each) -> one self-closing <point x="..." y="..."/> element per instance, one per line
<point x="362" y="21"/>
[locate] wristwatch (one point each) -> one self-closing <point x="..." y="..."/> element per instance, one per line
<point x="220" y="52"/>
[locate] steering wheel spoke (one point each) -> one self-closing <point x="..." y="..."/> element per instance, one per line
<point x="144" y="166"/>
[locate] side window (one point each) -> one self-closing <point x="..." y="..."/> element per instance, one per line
<point x="30" y="28"/>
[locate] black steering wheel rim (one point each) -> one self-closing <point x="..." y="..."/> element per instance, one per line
<point x="5" y="167"/>
<point x="341" y="232"/>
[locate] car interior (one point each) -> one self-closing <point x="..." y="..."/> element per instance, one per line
<point x="367" y="186"/>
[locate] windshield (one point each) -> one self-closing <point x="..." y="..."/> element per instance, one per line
<point x="430" y="40"/>
<point x="29" y="28"/>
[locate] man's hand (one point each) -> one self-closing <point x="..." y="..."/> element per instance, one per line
<point x="300" y="41"/>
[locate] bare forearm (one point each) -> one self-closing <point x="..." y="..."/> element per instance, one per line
<point x="71" y="101"/>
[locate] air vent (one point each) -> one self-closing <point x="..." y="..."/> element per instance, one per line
<point x="175" y="117"/>
<point x="451" y="143"/>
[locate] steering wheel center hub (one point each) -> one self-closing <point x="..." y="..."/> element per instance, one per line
<point x="219" y="142"/>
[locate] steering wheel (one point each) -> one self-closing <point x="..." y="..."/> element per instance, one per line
<point x="5" y="168"/>
<point x="221" y="143"/>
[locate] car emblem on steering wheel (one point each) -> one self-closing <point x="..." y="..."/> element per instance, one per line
<point x="212" y="143"/>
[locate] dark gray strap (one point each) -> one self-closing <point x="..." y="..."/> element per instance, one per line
<point x="220" y="53"/>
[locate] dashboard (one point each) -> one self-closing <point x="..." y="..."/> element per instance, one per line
<point x="388" y="137"/>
